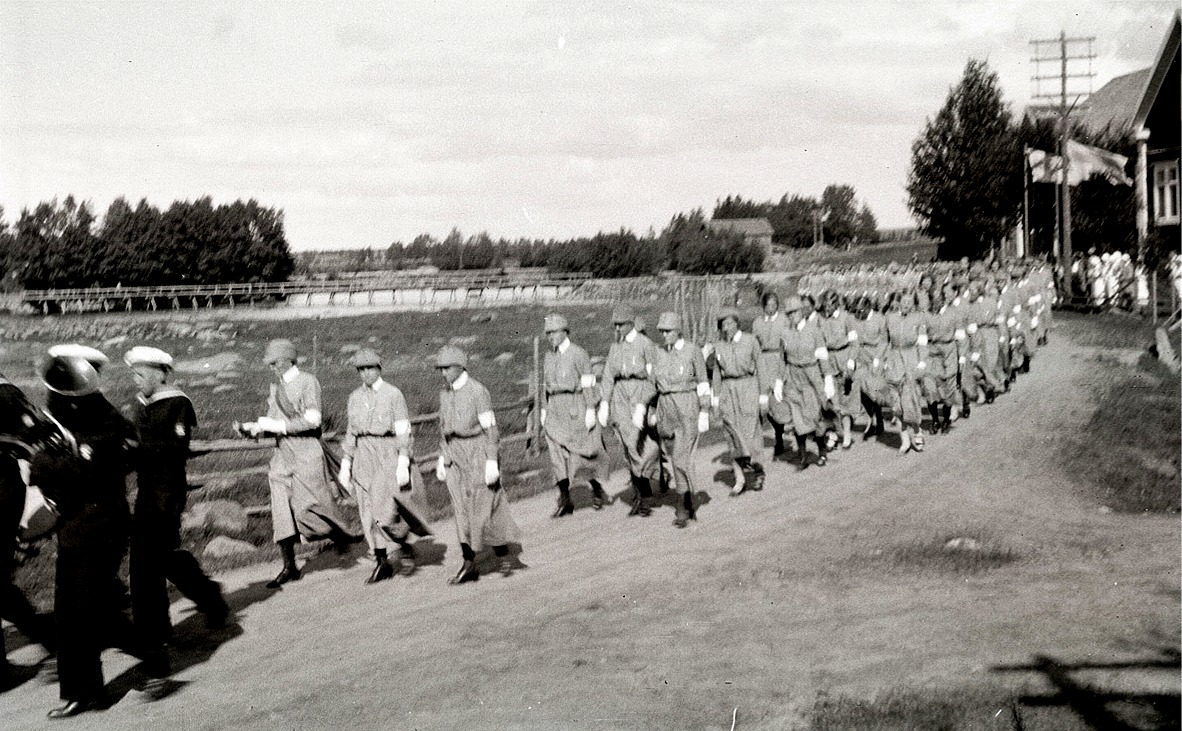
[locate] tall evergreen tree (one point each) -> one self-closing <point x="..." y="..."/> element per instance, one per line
<point x="965" y="184"/>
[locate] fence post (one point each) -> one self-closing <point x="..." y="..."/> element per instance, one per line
<point x="536" y="387"/>
<point x="1153" y="299"/>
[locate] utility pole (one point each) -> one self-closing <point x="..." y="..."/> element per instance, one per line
<point x="1069" y="50"/>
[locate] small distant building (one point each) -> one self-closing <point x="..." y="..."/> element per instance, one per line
<point x="754" y="230"/>
<point x="1146" y="102"/>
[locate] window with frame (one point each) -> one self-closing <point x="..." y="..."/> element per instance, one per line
<point x="1165" y="192"/>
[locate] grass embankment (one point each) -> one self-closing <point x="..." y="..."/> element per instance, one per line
<point x="1127" y="457"/>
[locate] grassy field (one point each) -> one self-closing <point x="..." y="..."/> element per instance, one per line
<point x="1129" y="460"/>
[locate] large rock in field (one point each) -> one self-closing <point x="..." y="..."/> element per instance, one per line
<point x="223" y="546"/>
<point x="218" y="516"/>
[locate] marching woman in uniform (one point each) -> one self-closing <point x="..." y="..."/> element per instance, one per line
<point x="469" y="464"/>
<point x="939" y="385"/>
<point x="569" y="416"/>
<point x="628" y="394"/>
<point x="870" y="384"/>
<point x="736" y="391"/>
<point x="682" y="414"/>
<point x="906" y="362"/>
<point x="807" y="380"/>
<point x="840" y="332"/>
<point x="90" y="491"/>
<point x="766" y="330"/>
<point x="301" y="498"/>
<point x="163" y="419"/>
<point x="376" y="467"/>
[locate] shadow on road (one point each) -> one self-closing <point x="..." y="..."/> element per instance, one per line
<point x="1102" y="709"/>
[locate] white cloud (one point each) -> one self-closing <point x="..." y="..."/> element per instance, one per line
<point x="371" y="122"/>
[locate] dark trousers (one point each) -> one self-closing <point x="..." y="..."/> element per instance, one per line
<point x="88" y="615"/>
<point x="156" y="559"/>
<point x="153" y="565"/>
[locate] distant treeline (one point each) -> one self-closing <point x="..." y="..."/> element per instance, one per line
<point x="687" y="244"/>
<point x="57" y="245"/>
<point x="799" y="221"/>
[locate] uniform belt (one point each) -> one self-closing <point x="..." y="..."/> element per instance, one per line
<point x="631" y="378"/>
<point x="738" y="378"/>
<point x="674" y="393"/>
<point x="558" y="393"/>
<point x="375" y="436"/>
<point x="941" y="342"/>
<point x="455" y="435"/>
<point x="770" y="350"/>
<point x="839" y="349"/>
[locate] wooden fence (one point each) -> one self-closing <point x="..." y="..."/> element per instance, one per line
<point x="457" y="287"/>
<point x="424" y="462"/>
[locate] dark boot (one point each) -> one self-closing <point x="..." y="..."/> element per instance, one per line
<point x="382" y="570"/>
<point x="565" y="505"/>
<point x="802" y="452"/>
<point x="599" y="498"/>
<point x="779" y="431"/>
<point x="822" y="447"/>
<point x="934" y="412"/>
<point x="945" y="419"/>
<point x="468" y="571"/>
<point x="642" y="503"/>
<point x="290" y="571"/>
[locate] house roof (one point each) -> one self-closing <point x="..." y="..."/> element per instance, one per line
<point x="1115" y="104"/>
<point x="1127" y="100"/>
<point x="745" y="226"/>
<point x="1165" y="57"/>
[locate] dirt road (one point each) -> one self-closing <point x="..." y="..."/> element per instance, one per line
<point x="829" y="580"/>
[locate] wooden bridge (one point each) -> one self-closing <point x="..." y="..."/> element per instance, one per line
<point x="446" y="289"/>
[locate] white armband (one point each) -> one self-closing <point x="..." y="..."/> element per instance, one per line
<point x="821" y="353"/>
<point x="703" y="389"/>
<point x="852" y="336"/>
<point x="921" y="340"/>
<point x="487" y="419"/>
<point x="403" y="461"/>
<point x="972" y="328"/>
<point x="1034" y="321"/>
<point x="587" y="380"/>
<point x="401" y="427"/>
<point x="1011" y="322"/>
<point x="312" y="416"/>
<point x="1017" y="309"/>
<point x="648" y="368"/>
<point x="960" y="335"/>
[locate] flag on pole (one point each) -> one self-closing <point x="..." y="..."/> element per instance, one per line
<point x="1044" y="167"/>
<point x="1084" y="161"/>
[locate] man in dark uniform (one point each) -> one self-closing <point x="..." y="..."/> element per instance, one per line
<point x="15" y="413"/>
<point x="163" y="419"/>
<point x="88" y="486"/>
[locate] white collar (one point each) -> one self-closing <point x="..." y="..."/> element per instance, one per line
<point x="738" y="334"/>
<point x="772" y="317"/>
<point x="564" y="345"/>
<point x="291" y="374"/>
<point x="679" y="344"/>
<point x="801" y="325"/>
<point x="377" y="385"/>
<point x="631" y="336"/>
<point x="460" y="382"/>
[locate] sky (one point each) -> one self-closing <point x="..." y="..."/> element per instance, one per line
<point x="372" y="122"/>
